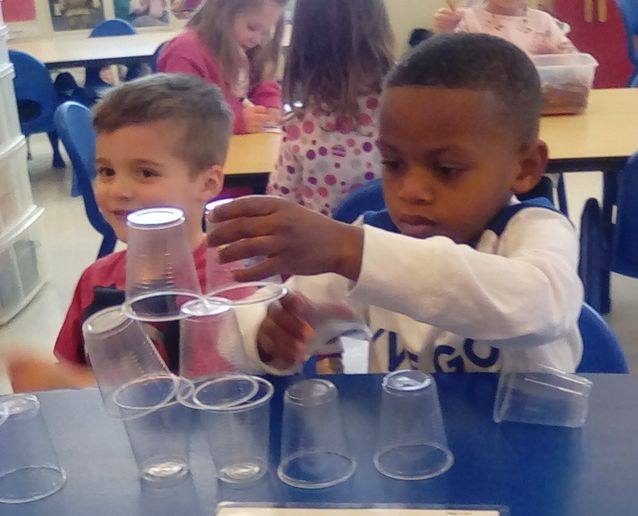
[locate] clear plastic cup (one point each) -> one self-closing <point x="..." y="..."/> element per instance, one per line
<point x="212" y="256"/>
<point x="160" y="270"/>
<point x="547" y="397"/>
<point x="411" y="443"/>
<point x="238" y="436"/>
<point x="160" y="442"/>
<point x="211" y="350"/>
<point x="314" y="447"/>
<point x="248" y="295"/>
<point x="131" y="375"/>
<point x="29" y="466"/>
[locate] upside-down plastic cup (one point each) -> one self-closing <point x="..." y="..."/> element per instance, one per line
<point x="211" y="354"/>
<point x="29" y="466"/>
<point x="546" y="397"/>
<point x="238" y="435"/>
<point x="131" y="375"/>
<point x="160" y="270"/>
<point x="314" y="447"/>
<point x="411" y="443"/>
<point x="212" y="257"/>
<point x="160" y="442"/>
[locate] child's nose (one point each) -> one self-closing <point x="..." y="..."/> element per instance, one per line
<point x="121" y="188"/>
<point x="417" y="187"/>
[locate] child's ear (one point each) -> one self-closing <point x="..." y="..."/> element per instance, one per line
<point x="533" y="162"/>
<point x="212" y="182"/>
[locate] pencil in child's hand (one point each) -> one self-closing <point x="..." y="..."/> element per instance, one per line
<point x="452" y="4"/>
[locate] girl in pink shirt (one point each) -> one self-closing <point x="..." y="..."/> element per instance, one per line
<point x="234" y="44"/>
<point x="533" y="31"/>
<point x="339" y="53"/>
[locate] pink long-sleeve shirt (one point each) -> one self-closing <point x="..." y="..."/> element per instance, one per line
<point x="187" y="53"/>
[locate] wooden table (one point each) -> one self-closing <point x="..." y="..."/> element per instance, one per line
<point x="251" y="157"/>
<point x="68" y="51"/>
<point x="602" y="138"/>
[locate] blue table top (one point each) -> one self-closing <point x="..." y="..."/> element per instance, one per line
<point x="532" y="470"/>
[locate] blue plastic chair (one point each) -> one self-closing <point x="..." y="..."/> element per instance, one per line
<point x="598" y="257"/>
<point x="37" y="100"/>
<point x="601" y="351"/>
<point x="114" y="27"/>
<point x="155" y="57"/>
<point x="629" y="13"/>
<point x="74" y="124"/>
<point x="366" y="198"/>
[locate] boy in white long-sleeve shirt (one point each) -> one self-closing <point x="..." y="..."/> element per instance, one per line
<point x="456" y="274"/>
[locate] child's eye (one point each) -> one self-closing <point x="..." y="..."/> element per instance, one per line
<point x="105" y="172"/>
<point x="148" y="173"/>
<point x="391" y="165"/>
<point x="450" y="171"/>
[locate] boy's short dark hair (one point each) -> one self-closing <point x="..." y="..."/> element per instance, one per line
<point x="197" y="108"/>
<point x="477" y="62"/>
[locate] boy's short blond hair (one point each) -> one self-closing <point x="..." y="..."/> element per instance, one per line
<point x="197" y="108"/>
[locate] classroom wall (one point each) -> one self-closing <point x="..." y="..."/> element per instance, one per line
<point x="406" y="15"/>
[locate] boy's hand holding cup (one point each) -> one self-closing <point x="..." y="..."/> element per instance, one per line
<point x="293" y="239"/>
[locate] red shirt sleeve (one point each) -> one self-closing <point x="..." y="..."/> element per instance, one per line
<point x="70" y="341"/>
<point x="266" y="94"/>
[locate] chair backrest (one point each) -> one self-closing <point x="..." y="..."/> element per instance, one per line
<point x="601" y="351"/>
<point x="74" y="126"/>
<point x="366" y="198"/>
<point x="33" y="84"/>
<point x="155" y="57"/>
<point x="629" y="13"/>
<point x="625" y="245"/>
<point x="112" y="27"/>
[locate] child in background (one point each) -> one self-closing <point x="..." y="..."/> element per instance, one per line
<point x="234" y="44"/>
<point x="339" y="53"/>
<point x="455" y="275"/>
<point x="161" y="141"/>
<point x="534" y="31"/>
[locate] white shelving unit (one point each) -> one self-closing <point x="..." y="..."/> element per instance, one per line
<point x="21" y="276"/>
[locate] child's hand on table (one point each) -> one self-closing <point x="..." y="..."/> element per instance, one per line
<point x="29" y="373"/>
<point x="446" y="20"/>
<point x="292" y="239"/>
<point x="255" y="117"/>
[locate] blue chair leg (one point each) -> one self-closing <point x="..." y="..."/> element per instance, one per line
<point x="562" y="195"/>
<point x="58" y="162"/>
<point x="591" y="268"/>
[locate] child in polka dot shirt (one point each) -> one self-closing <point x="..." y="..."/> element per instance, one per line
<point x="329" y="144"/>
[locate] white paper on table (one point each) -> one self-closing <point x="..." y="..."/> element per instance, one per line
<point x="386" y="511"/>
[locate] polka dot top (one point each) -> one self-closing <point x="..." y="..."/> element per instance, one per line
<point x="325" y="157"/>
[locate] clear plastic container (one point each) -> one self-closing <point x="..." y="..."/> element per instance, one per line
<point x="9" y="121"/>
<point x="16" y="201"/>
<point x="566" y="80"/>
<point x="21" y="273"/>
<point x="4" y="45"/>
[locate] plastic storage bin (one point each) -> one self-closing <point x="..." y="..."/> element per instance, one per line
<point x="16" y="201"/>
<point x="566" y="80"/>
<point x="21" y="274"/>
<point x="9" y="121"/>
<point x="4" y="45"/>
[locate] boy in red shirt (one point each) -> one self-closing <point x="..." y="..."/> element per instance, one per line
<point x="161" y="141"/>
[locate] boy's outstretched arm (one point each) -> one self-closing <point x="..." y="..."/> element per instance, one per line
<point x="293" y="239"/>
<point x="29" y="373"/>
